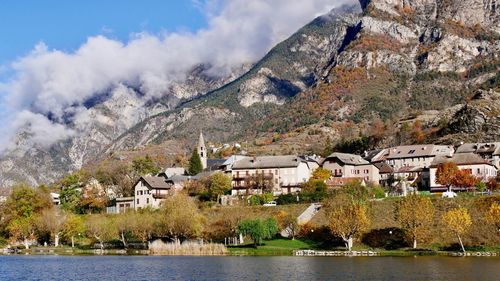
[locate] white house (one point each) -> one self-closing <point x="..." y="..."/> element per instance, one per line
<point x="151" y="191"/>
<point x="284" y="174"/>
<point x="343" y="165"/>
<point x="473" y="163"/>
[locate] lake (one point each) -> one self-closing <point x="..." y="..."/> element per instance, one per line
<point x="246" y="268"/>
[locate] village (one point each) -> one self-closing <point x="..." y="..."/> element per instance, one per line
<point x="398" y="170"/>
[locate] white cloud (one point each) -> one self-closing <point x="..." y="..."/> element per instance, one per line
<point x="238" y="31"/>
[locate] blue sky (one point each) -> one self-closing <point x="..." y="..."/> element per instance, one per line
<point x="65" y="25"/>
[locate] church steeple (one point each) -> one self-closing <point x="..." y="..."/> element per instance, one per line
<point x="202" y="151"/>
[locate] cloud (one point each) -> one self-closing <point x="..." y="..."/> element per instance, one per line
<point x="53" y="83"/>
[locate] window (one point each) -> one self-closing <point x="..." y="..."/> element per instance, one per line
<point x="141" y="192"/>
<point x="276" y="172"/>
<point x="137" y="201"/>
<point x="478" y="171"/>
<point x="411" y="151"/>
<point x="137" y="192"/>
<point x="147" y="200"/>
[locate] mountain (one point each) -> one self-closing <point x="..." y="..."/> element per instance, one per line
<point x="107" y="118"/>
<point x="393" y="63"/>
<point x="398" y="61"/>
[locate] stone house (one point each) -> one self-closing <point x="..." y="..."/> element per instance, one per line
<point x="343" y="165"/>
<point x="281" y="174"/>
<point x="488" y="151"/>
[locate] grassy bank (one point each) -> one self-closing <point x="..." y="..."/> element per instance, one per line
<point x="284" y="247"/>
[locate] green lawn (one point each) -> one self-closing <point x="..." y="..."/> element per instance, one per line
<point x="277" y="247"/>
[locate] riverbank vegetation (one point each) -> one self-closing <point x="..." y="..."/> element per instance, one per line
<point x="350" y="219"/>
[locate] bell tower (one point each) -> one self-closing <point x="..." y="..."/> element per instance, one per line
<point x="202" y="151"/>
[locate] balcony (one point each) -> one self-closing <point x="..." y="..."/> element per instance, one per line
<point x="264" y="176"/>
<point x="159" y="196"/>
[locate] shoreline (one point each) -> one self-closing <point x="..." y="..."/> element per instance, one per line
<point x="293" y="253"/>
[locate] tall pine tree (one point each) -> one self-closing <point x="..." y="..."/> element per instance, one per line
<point x="195" y="166"/>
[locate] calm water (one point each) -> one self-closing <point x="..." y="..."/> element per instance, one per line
<point x="246" y="268"/>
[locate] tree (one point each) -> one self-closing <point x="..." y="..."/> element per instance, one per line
<point x="21" y="208"/>
<point x="328" y="148"/>
<point x="179" y="218"/>
<point x="22" y="228"/>
<point x="417" y="133"/>
<point x="120" y="176"/>
<point x="261" y="181"/>
<point x="219" y="185"/>
<point x="464" y="179"/>
<point x="449" y="175"/>
<point x="100" y="228"/>
<point x="124" y="224"/>
<point x="51" y="221"/>
<point x="94" y="198"/>
<point x="346" y="217"/>
<point x="145" y="166"/>
<point x="288" y="223"/>
<point x="25" y="201"/>
<point x="493" y="215"/>
<point x="73" y="226"/>
<point x="445" y="174"/>
<point x="415" y="215"/>
<point x="71" y="186"/>
<point x="259" y="229"/>
<point x="143" y="225"/>
<point x="195" y="165"/>
<point x="457" y="221"/>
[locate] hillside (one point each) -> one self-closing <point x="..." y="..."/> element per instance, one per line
<point x="395" y="63"/>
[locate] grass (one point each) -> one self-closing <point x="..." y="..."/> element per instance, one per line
<point x="277" y="247"/>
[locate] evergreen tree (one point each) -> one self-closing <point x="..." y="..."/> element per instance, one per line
<point x="195" y="166"/>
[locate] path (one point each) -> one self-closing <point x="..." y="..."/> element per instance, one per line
<point x="304" y="218"/>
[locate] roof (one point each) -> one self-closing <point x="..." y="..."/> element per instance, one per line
<point x="411" y="151"/>
<point x="486" y="148"/>
<point x="408" y="169"/>
<point x="169" y="172"/>
<point x="461" y="159"/>
<point x="384" y="168"/>
<point x="349" y="159"/>
<point x="375" y="155"/>
<point x="156" y="182"/>
<point x="269" y="162"/>
<point x="233" y="159"/>
<point x="215" y="164"/>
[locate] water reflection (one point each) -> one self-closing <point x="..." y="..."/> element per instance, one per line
<point x="247" y="268"/>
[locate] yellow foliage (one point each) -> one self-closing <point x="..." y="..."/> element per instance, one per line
<point x="415" y="215"/>
<point x="493" y="215"/>
<point x="457" y="220"/>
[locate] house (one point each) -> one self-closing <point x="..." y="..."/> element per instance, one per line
<point x="343" y="165"/>
<point x="279" y="174"/>
<point x="121" y="205"/>
<point x="413" y="155"/>
<point x="471" y="162"/>
<point x="55" y="198"/>
<point x="151" y="191"/>
<point x="488" y="151"/>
